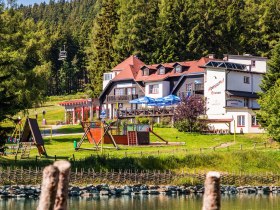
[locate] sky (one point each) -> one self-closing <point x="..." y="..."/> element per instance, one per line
<point x="27" y="2"/>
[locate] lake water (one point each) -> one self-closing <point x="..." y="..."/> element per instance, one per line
<point x="152" y="202"/>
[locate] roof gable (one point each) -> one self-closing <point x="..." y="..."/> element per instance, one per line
<point x="129" y="68"/>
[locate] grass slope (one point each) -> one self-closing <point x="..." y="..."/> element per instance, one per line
<point x="189" y="156"/>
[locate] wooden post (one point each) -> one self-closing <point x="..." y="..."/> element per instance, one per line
<point x="49" y="187"/>
<point x="102" y="135"/>
<point x="62" y="186"/>
<point x="51" y="133"/>
<point x="212" y="194"/>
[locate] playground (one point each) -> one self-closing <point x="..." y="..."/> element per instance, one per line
<point x="20" y="143"/>
<point x="62" y="144"/>
<point x="97" y="136"/>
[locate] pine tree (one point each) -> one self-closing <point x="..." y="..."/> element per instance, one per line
<point x="251" y="33"/>
<point x="269" y="114"/>
<point x="270" y="26"/>
<point x="23" y="48"/>
<point x="172" y="31"/>
<point x="100" y="53"/>
<point x="136" y="29"/>
<point x="273" y="73"/>
<point x="215" y="27"/>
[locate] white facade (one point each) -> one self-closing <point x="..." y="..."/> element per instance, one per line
<point x="107" y="77"/>
<point x="214" y="92"/>
<point x="231" y="94"/>
<point x="157" y="89"/>
<point x="255" y="63"/>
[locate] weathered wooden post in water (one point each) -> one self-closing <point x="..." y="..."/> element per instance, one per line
<point x="212" y="194"/>
<point x="54" y="192"/>
<point x="62" y="185"/>
<point x="49" y="187"/>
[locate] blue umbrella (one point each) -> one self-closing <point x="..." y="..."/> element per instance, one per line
<point x="142" y="100"/>
<point x="172" y="99"/>
<point x="135" y="101"/>
<point x="159" y="100"/>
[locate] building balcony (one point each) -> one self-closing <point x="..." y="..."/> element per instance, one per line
<point x="121" y="98"/>
<point x="198" y="87"/>
<point x="187" y="94"/>
<point x="152" y="112"/>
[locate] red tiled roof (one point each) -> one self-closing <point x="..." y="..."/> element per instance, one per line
<point x="74" y="102"/>
<point x="128" y="68"/>
<point x="79" y="102"/>
<point x="194" y="67"/>
<point x="131" y="69"/>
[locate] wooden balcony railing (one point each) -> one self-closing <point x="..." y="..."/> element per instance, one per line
<point x="121" y="98"/>
<point x="198" y="87"/>
<point x="153" y="112"/>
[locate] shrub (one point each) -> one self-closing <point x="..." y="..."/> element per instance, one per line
<point x="187" y="113"/>
<point x="142" y="120"/>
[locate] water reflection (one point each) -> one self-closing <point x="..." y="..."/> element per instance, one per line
<point x="153" y="202"/>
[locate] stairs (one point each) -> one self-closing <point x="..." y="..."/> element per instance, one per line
<point x="132" y="138"/>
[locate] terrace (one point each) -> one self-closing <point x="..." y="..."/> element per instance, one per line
<point x="152" y="112"/>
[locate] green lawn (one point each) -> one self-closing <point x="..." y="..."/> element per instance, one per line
<point x="54" y="112"/>
<point x="196" y="154"/>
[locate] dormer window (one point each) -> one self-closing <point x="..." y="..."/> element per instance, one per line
<point x="178" y="69"/>
<point x="146" y="72"/>
<point x="162" y="70"/>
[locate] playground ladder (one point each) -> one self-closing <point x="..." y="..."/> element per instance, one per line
<point x="24" y="148"/>
<point x="132" y="138"/>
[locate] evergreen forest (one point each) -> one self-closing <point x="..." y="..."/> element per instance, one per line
<point x="98" y="34"/>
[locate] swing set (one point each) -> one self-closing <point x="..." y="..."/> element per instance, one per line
<point x="97" y="133"/>
<point x="110" y="133"/>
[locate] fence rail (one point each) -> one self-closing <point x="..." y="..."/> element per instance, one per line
<point x="89" y="176"/>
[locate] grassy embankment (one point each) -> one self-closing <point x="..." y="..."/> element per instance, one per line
<point x="196" y="154"/>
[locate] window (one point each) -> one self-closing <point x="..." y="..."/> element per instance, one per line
<point x="162" y="70"/>
<point x="246" y="102"/>
<point x="189" y="89"/>
<point x="178" y="69"/>
<point x="107" y="77"/>
<point x="253" y="63"/>
<point x="246" y="80"/>
<point x="254" y="121"/>
<point x="146" y="72"/>
<point x="240" y="120"/>
<point x="131" y="91"/>
<point x="119" y="92"/>
<point x="153" y="89"/>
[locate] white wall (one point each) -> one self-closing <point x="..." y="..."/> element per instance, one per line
<point x="105" y="82"/>
<point x="124" y="85"/>
<point x="164" y="89"/>
<point x="214" y="91"/>
<point x="236" y="81"/>
<point x="248" y="113"/>
<point x="260" y="63"/>
<point x="257" y="80"/>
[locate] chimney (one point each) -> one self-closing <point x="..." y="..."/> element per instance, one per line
<point x="211" y="56"/>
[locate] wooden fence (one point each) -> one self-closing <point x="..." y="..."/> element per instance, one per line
<point x="78" y="177"/>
